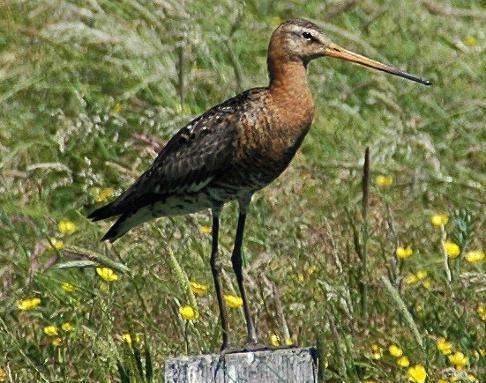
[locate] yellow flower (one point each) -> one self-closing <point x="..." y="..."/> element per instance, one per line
<point x="28" y="304"/>
<point x="474" y="256"/>
<point x="66" y="226"/>
<point x="275" y="340"/>
<point x="427" y="283"/>
<point x="459" y="360"/>
<point x="198" y="288"/>
<point x="289" y="341"/>
<point x="404" y="252"/>
<point x="439" y="220"/>
<point x="470" y="41"/>
<point x="188" y="313"/>
<point x="411" y="279"/>
<point x="107" y="274"/>
<point x="421" y="275"/>
<point x="104" y="194"/>
<point x="444" y="346"/>
<point x="376" y="351"/>
<point x="233" y="301"/>
<point x="452" y="249"/>
<point x="68" y="287"/>
<point x="403" y="361"/>
<point x="55" y="244"/>
<point x="3" y="375"/>
<point x="482" y="312"/>
<point x="417" y="373"/>
<point x="127" y="338"/>
<point x="482" y="352"/>
<point x="206" y="230"/>
<point x="67" y="327"/>
<point x="312" y="269"/>
<point x="395" y="351"/>
<point x="56" y="342"/>
<point x="117" y="107"/>
<point x="50" y="330"/>
<point x="384" y="181"/>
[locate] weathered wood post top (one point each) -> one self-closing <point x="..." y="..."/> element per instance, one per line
<point x="294" y="365"/>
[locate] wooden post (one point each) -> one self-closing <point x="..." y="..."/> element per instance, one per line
<point x="293" y="365"/>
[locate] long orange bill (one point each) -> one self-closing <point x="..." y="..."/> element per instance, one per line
<point x="334" y="50"/>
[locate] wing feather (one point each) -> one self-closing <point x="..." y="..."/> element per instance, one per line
<point x="191" y="159"/>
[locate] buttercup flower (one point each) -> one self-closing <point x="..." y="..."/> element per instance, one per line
<point x="107" y="274"/>
<point x="275" y="340"/>
<point x="188" y="313"/>
<point x="376" y="351"/>
<point x="55" y="243"/>
<point x="482" y="312"/>
<point x="289" y="341"/>
<point x="66" y="226"/>
<point x="384" y="181"/>
<point x="417" y="373"/>
<point x="427" y="283"/>
<point x="56" y="342"/>
<point x="67" y="327"/>
<point x="395" y="351"/>
<point x="404" y="252"/>
<point x="50" y="330"/>
<point x="439" y="220"/>
<point x="104" y="194"/>
<point x="403" y="361"/>
<point x="474" y="256"/>
<point x="411" y="279"/>
<point x="421" y="275"/>
<point x="127" y="338"/>
<point x="233" y="301"/>
<point x="68" y="287"/>
<point x="198" y="288"/>
<point x="470" y="41"/>
<point x="444" y="346"/>
<point x="28" y="304"/>
<point x="206" y="230"/>
<point x="452" y="249"/>
<point x="459" y="360"/>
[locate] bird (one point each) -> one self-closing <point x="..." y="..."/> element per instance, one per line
<point x="234" y="150"/>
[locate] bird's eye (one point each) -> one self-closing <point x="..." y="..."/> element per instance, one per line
<point x="307" y="36"/>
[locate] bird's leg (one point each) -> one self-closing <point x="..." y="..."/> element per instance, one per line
<point x="216" y="269"/>
<point x="237" y="262"/>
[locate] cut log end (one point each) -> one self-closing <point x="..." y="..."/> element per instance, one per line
<point x="297" y="365"/>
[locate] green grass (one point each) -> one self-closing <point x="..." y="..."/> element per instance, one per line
<point x="89" y="89"/>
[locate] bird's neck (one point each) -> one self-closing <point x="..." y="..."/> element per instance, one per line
<point x="290" y="91"/>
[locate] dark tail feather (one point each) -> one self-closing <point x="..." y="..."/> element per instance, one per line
<point x="116" y="231"/>
<point x="103" y="212"/>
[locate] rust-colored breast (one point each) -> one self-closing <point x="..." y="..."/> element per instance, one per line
<point x="269" y="130"/>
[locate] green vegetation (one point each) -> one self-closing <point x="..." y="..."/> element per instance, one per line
<point x="89" y="90"/>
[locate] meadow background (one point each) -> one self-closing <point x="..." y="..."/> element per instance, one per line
<point x="91" y="90"/>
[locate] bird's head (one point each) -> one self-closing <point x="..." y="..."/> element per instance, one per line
<point x="301" y="40"/>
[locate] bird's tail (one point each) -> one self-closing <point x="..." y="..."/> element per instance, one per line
<point x="124" y="223"/>
<point x="103" y="212"/>
<point x="117" y="230"/>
